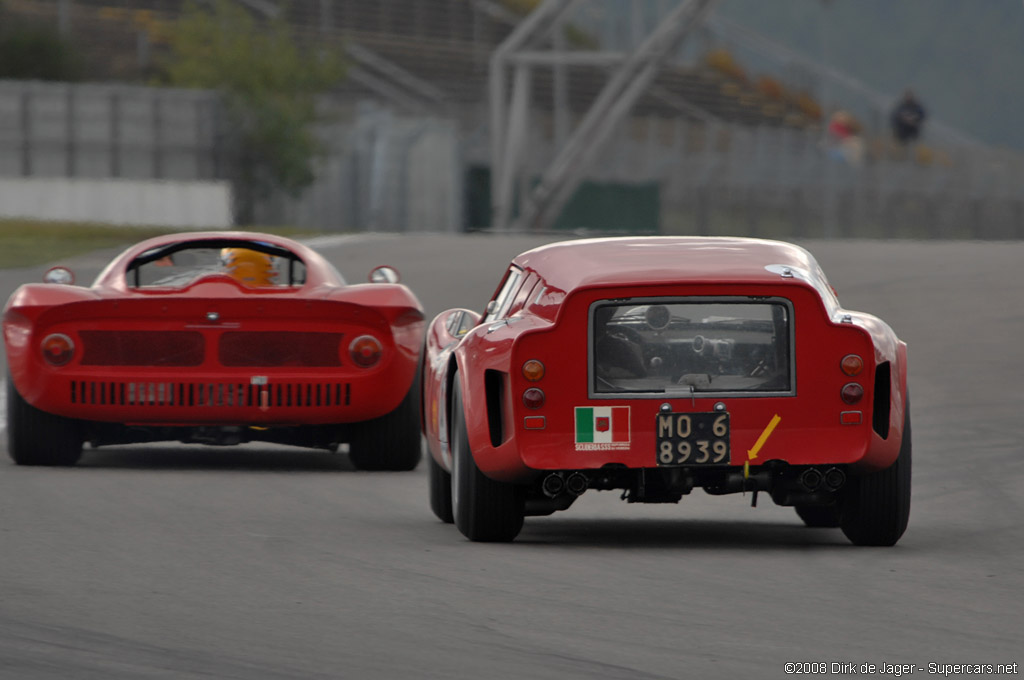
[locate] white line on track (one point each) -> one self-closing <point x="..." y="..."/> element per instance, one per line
<point x="330" y="241"/>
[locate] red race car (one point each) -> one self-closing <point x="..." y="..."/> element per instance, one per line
<point x="216" y="338"/>
<point x="657" y="365"/>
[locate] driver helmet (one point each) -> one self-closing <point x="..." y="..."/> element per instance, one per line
<point x="249" y="267"/>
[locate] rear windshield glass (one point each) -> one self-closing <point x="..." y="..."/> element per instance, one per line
<point x="691" y="346"/>
<point x="182" y="268"/>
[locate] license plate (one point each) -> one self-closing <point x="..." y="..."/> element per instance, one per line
<point x="693" y="438"/>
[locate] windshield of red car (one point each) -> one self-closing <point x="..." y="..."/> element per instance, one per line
<point x="182" y="267"/>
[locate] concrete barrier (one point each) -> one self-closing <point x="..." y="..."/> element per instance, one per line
<point x="118" y="201"/>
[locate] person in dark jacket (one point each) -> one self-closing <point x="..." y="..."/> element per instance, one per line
<point x="907" y="118"/>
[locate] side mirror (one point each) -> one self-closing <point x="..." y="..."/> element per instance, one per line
<point x="453" y="322"/>
<point x="61" y="275"/>
<point x="384" y="274"/>
<point x="460" y="322"/>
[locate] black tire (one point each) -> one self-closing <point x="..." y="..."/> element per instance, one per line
<point x="819" y="516"/>
<point x="393" y="441"/>
<point x="440" y="491"/>
<point x="483" y="509"/>
<point x="36" y="437"/>
<point x="877" y="505"/>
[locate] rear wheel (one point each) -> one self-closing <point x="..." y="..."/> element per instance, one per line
<point x="36" y="437"/>
<point x="440" y="491"/>
<point x="391" y="442"/>
<point x="483" y="509"/>
<point x="819" y="516"/>
<point x="877" y="506"/>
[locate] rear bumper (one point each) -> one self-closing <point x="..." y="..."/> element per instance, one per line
<point x="798" y="439"/>
<point x="787" y="485"/>
<point x="224" y="399"/>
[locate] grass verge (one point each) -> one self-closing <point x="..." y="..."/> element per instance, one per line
<point x="24" y="243"/>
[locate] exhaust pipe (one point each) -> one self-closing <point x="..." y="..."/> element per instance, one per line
<point x="811" y="479"/>
<point x="577" y="483"/>
<point x="552" y="485"/>
<point x="835" y="478"/>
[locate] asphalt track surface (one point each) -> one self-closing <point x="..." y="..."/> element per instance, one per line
<point x="264" y="563"/>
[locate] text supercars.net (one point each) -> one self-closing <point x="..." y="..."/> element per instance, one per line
<point x="898" y="670"/>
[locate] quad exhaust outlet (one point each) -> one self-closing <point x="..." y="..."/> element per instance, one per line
<point x="577" y="483"/>
<point x="813" y="479"/>
<point x="553" y="485"/>
<point x="557" y="483"/>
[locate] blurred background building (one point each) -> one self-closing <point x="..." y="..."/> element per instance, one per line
<point x="651" y="116"/>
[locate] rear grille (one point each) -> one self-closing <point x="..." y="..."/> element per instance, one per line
<point x="279" y="348"/>
<point x="236" y="349"/>
<point x="142" y="348"/>
<point x="209" y="394"/>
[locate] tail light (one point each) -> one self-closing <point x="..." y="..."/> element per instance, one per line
<point x="533" y="398"/>
<point x="852" y="393"/>
<point x="365" y="351"/>
<point x="533" y="370"/>
<point x="852" y="365"/>
<point x="58" y="349"/>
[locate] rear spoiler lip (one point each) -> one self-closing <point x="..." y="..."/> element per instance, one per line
<point x="141" y="312"/>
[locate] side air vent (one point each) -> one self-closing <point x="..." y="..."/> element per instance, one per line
<point x="494" y="387"/>
<point x="883" y="397"/>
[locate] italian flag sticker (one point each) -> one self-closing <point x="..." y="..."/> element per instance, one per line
<point x="602" y="427"/>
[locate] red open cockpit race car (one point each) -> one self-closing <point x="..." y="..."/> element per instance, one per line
<point x="215" y="338"/>
<point x="658" y="365"/>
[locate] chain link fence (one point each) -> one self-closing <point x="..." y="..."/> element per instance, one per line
<point x="378" y="170"/>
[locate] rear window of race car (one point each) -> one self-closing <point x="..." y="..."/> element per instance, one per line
<point x="684" y="346"/>
<point x="182" y="267"/>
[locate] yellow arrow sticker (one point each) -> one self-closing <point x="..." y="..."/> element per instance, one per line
<point x="752" y="453"/>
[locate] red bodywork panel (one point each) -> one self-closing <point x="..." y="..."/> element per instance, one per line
<point x="812" y="424"/>
<point x="214" y="352"/>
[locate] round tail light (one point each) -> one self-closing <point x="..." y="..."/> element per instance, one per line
<point x="533" y="398"/>
<point x="852" y="365"/>
<point x="852" y="393"/>
<point x="58" y="349"/>
<point x="533" y="370"/>
<point x="365" y="351"/>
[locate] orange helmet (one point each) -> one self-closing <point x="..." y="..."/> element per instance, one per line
<point x="249" y="267"/>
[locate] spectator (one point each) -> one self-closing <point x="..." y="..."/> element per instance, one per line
<point x="844" y="140"/>
<point x="907" y="119"/>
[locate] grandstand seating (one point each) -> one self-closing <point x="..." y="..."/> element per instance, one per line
<point x="446" y="43"/>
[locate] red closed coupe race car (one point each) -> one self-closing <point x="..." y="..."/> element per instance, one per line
<point x="216" y="338"/>
<point x="657" y="365"/>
